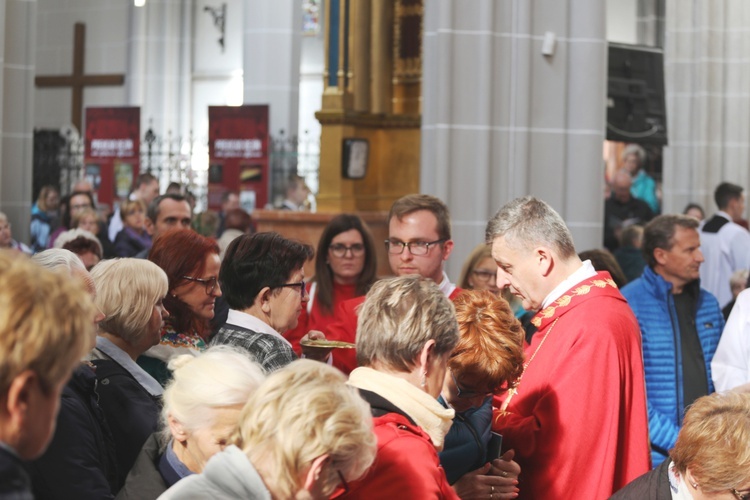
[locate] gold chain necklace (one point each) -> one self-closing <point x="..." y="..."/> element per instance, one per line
<point x="514" y="390"/>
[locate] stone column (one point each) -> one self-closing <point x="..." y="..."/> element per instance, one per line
<point x="502" y="120"/>
<point x="17" y="58"/>
<point x="271" y="59"/>
<point x="159" y="66"/>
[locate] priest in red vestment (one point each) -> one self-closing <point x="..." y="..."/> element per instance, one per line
<point x="577" y="416"/>
<point x="419" y="242"/>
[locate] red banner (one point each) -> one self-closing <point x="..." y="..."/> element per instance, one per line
<point x="238" y="154"/>
<point x="112" y="151"/>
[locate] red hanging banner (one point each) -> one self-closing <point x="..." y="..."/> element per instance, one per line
<point x="112" y="151"/>
<point x="238" y="154"/>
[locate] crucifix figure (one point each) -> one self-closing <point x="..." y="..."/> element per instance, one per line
<point x="78" y="80"/>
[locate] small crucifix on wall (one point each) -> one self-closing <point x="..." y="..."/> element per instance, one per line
<point x="78" y="79"/>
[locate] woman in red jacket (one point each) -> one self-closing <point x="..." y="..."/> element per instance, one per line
<point x="345" y="267"/>
<point x="407" y="329"/>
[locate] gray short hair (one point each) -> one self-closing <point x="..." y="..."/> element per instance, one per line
<point x="527" y="222"/>
<point x="127" y="290"/>
<point x="60" y="259"/>
<point x="659" y="233"/>
<point x="399" y="316"/>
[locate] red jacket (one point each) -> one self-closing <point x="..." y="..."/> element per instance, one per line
<point x="406" y="466"/>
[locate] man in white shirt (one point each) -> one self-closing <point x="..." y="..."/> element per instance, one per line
<point x="725" y="244"/>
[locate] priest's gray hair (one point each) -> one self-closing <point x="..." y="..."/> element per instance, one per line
<point x="399" y="316"/>
<point x="528" y="222"/>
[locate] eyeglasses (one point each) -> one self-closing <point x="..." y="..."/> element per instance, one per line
<point x="485" y="276"/>
<point x="463" y="393"/>
<point x="339" y="249"/>
<point x="301" y="285"/>
<point x="344" y="484"/>
<point x="415" y="247"/>
<point x="209" y="283"/>
<point x="742" y="495"/>
<point x="80" y="206"/>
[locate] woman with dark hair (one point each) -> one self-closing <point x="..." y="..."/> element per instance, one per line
<point x="345" y="267"/>
<point x="191" y="262"/>
<point x="263" y="280"/>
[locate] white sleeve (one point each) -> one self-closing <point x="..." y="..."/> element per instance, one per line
<point x="730" y="366"/>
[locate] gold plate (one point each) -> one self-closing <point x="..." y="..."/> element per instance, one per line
<point x="328" y="344"/>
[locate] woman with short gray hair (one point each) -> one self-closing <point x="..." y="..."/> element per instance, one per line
<point x="406" y="332"/>
<point x="129" y="293"/>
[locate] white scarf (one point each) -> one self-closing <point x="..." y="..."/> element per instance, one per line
<point x="420" y="406"/>
<point x="677" y="486"/>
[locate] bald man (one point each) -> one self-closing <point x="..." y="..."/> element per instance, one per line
<point x="622" y="209"/>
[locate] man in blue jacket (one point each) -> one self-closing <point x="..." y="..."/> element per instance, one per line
<point x="680" y="322"/>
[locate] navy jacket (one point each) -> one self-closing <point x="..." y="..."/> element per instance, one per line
<point x="651" y="299"/>
<point x="80" y="460"/>
<point x="14" y="481"/>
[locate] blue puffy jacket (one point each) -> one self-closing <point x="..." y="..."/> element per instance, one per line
<point x="650" y="297"/>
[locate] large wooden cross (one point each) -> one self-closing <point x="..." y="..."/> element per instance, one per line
<point x="78" y="80"/>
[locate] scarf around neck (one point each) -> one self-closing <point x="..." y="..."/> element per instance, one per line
<point x="425" y="410"/>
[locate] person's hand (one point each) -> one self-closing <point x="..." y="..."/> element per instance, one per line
<point x="311" y="352"/>
<point x="481" y="483"/>
<point x="505" y="466"/>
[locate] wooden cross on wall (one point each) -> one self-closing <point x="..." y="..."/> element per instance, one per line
<point x="78" y="80"/>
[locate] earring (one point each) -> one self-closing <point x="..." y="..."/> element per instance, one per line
<point x="695" y="485"/>
<point x="424" y="379"/>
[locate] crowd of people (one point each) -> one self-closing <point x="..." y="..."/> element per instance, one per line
<point x="164" y="363"/>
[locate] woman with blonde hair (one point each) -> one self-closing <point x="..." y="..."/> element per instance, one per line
<point x="489" y="356"/>
<point x="711" y="458"/>
<point x="129" y="292"/>
<point x="202" y="406"/>
<point x="302" y="433"/>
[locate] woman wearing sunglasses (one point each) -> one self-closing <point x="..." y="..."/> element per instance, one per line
<point x="488" y="357"/>
<point x="345" y="267"/>
<point x="192" y="264"/>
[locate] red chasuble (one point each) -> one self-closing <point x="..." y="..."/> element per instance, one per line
<point x="578" y="421"/>
<point x="345" y="329"/>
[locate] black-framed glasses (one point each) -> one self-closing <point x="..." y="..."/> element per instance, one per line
<point x="344" y="484"/>
<point x="301" y="285"/>
<point x="209" y="283"/>
<point x="339" y="249"/>
<point x="415" y="247"/>
<point x="463" y="393"/>
<point x="484" y="276"/>
<point x="742" y="495"/>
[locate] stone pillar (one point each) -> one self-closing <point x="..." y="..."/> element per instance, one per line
<point x="502" y="120"/>
<point x="17" y="58"/>
<point x="271" y="59"/>
<point x="159" y="66"/>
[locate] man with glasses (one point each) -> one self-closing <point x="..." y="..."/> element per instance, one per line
<point x="419" y="242"/>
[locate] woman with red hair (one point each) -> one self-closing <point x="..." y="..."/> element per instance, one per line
<point x="192" y="264"/>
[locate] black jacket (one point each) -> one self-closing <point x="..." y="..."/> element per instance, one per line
<point x="80" y="459"/>
<point x="652" y="485"/>
<point x="14" y="481"/>
<point x="132" y="413"/>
